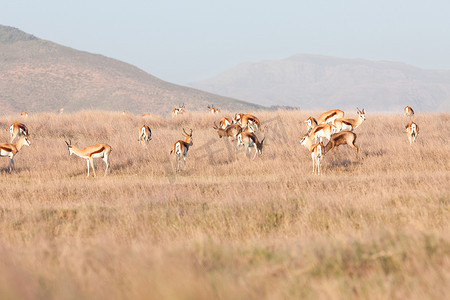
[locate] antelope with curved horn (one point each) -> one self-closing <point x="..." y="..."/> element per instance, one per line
<point x="249" y="140"/>
<point x="412" y="129"/>
<point x="408" y="111"/>
<point x="316" y="150"/>
<point x="180" y="148"/>
<point x="350" y="124"/>
<point x="213" y="110"/>
<point x="178" y="110"/>
<point x="11" y="150"/>
<point x="342" y="138"/>
<point x="90" y="152"/>
<point x="145" y="134"/>
<point x="329" y="116"/>
<point x="17" y="130"/>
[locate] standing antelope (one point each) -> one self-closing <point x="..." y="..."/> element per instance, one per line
<point x="180" y="148"/>
<point x="342" y="138"/>
<point x="213" y="110"/>
<point x="224" y="122"/>
<point x="316" y="150"/>
<point x="178" y="110"/>
<point x="145" y="134"/>
<point x="24" y="114"/>
<point x="330" y="116"/>
<point x="412" y="129"/>
<point x="349" y="124"/>
<point x="11" y="150"/>
<point x="230" y="131"/>
<point x="408" y="111"/>
<point x="246" y="119"/>
<point x="310" y="123"/>
<point x="320" y="131"/>
<point x="17" y="130"/>
<point x="91" y="152"/>
<point x="249" y="140"/>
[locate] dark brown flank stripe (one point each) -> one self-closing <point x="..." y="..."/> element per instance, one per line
<point x="6" y="148"/>
<point x="346" y="122"/>
<point x="332" y="114"/>
<point x="98" y="151"/>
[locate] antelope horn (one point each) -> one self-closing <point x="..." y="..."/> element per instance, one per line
<point x="184" y="131"/>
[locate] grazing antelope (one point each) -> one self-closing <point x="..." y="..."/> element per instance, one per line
<point x="412" y="129"/>
<point x="349" y="124"/>
<point x="213" y="110"/>
<point x="320" y="131"/>
<point x="145" y="134"/>
<point x="249" y="140"/>
<point x="408" y="111"/>
<point x="180" y="148"/>
<point x="230" y="131"/>
<point x="330" y="116"/>
<point x="310" y="123"/>
<point x="224" y="122"/>
<point x="91" y="152"/>
<point x="17" y="130"/>
<point x="11" y="150"/>
<point x="24" y="114"/>
<point x="144" y="115"/>
<point x="316" y="150"/>
<point x="178" y="110"/>
<point x="342" y="138"/>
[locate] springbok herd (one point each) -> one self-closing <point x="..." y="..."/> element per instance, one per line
<point x="330" y="125"/>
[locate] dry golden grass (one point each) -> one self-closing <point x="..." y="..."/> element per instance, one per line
<point x="225" y="227"/>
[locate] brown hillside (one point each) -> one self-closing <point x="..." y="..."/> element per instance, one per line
<point x="38" y="75"/>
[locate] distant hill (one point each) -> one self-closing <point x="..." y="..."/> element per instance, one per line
<point x="38" y="75"/>
<point x="321" y="82"/>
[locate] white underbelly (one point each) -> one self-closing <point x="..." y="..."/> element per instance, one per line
<point x="346" y="127"/>
<point x="4" y="153"/>
<point x="98" y="155"/>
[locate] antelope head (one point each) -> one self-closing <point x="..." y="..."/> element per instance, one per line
<point x="69" y="146"/>
<point x="188" y="137"/>
<point x="361" y="114"/>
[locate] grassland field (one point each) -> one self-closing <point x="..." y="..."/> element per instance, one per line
<point x="225" y="227"/>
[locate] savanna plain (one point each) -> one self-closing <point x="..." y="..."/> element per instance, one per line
<point x="225" y="227"/>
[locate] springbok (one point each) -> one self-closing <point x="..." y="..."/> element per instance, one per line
<point x="329" y="116"/>
<point x="342" y="138"/>
<point x="11" y="150"/>
<point x="145" y="134"/>
<point x="90" y="152"/>
<point x="320" y="131"/>
<point x="145" y="115"/>
<point x="17" y="130"/>
<point x="24" y="114"/>
<point x="230" y="131"/>
<point x="412" y="129"/>
<point x="180" y="148"/>
<point x="213" y="110"/>
<point x="224" y="122"/>
<point x="349" y="124"/>
<point x="178" y="110"/>
<point x="246" y="119"/>
<point x="310" y="123"/>
<point x="408" y="111"/>
<point x="249" y="140"/>
<point x="316" y="150"/>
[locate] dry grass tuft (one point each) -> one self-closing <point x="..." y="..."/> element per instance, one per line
<point x="225" y="227"/>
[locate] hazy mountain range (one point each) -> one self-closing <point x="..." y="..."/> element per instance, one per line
<point x="321" y="82"/>
<point x="38" y="75"/>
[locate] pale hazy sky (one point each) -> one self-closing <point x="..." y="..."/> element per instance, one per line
<point x="185" y="41"/>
